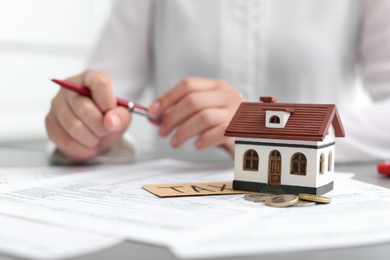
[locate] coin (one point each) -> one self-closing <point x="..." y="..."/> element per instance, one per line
<point x="258" y="197"/>
<point x="304" y="203"/>
<point x="284" y="200"/>
<point x="315" y="198"/>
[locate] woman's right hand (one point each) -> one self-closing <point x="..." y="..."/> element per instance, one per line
<point x="83" y="127"/>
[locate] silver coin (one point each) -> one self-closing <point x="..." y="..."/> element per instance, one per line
<point x="258" y="197"/>
<point x="304" y="203"/>
<point x="284" y="200"/>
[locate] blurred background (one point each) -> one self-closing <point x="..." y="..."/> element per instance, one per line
<point x="41" y="39"/>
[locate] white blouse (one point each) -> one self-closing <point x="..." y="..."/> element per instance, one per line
<point x="323" y="51"/>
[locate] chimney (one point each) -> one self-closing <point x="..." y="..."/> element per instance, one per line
<point x="269" y="99"/>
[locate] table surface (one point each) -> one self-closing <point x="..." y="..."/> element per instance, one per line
<point x="31" y="154"/>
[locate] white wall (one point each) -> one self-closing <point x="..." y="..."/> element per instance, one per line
<point x="41" y="39"/>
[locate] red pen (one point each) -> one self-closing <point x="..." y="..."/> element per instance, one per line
<point x="384" y="168"/>
<point x="133" y="107"/>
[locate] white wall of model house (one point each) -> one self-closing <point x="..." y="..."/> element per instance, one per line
<point x="313" y="177"/>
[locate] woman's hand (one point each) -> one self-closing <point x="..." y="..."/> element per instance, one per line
<point x="82" y="127"/>
<point x="198" y="107"/>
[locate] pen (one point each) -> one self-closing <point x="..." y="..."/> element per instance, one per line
<point x="384" y="168"/>
<point x="130" y="105"/>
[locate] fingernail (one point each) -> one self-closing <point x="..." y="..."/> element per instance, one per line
<point x="198" y="144"/>
<point x="174" y="142"/>
<point x="115" y="123"/>
<point x="155" y="108"/>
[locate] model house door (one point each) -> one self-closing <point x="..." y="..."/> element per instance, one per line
<point x="274" y="168"/>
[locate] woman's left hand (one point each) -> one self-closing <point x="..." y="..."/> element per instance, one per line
<point x="198" y="107"/>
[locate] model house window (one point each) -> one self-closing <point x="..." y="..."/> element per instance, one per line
<point x="322" y="161"/>
<point x="251" y="160"/>
<point x="274" y="120"/>
<point x="298" y="164"/>
<point x="275" y="162"/>
<point x="330" y="160"/>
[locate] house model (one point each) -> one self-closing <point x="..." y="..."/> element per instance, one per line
<point x="284" y="148"/>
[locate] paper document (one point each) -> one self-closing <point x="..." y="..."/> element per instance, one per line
<point x="112" y="201"/>
<point x="358" y="215"/>
<point x="17" y="175"/>
<point x="35" y="240"/>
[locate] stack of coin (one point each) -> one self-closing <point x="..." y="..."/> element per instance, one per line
<point x="304" y="203"/>
<point x="284" y="200"/>
<point x="258" y="197"/>
<point x="314" y="198"/>
<point x="287" y="200"/>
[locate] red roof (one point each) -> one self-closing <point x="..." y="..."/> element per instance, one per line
<point x="307" y="122"/>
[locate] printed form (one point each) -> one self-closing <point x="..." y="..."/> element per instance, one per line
<point x="34" y="239"/>
<point x="358" y="215"/>
<point x="17" y="175"/>
<point x="111" y="202"/>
